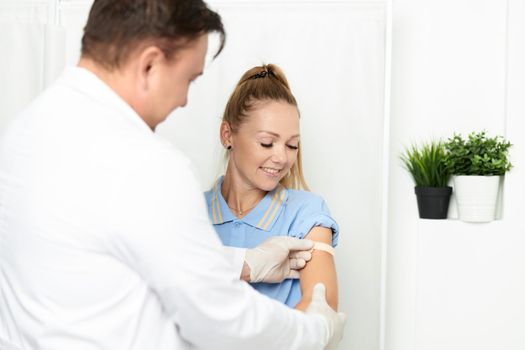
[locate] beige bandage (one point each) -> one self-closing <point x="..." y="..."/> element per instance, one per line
<point x="324" y="247"/>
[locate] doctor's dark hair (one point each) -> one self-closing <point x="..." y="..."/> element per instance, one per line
<point x="260" y="84"/>
<point x="117" y="27"/>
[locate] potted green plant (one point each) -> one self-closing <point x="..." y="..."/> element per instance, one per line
<point x="478" y="165"/>
<point x="426" y="165"/>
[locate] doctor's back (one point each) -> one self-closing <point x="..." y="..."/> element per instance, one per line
<point x="73" y="181"/>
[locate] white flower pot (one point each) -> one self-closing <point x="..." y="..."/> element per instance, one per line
<point x="476" y="197"/>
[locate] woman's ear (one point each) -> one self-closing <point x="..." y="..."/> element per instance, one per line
<point x="226" y="135"/>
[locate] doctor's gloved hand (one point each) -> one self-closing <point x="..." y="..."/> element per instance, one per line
<point x="335" y="320"/>
<point x="277" y="258"/>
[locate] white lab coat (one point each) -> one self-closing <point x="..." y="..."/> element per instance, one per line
<point x="105" y="242"/>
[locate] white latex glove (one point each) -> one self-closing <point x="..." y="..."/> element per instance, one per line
<point x="278" y="258"/>
<point x="335" y="321"/>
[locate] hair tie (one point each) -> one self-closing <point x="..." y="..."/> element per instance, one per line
<point x="262" y="74"/>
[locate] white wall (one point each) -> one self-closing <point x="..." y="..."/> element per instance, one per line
<point x="333" y="53"/>
<point x="457" y="65"/>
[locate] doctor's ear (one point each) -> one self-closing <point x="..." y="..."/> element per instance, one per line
<point x="226" y="135"/>
<point x="147" y="68"/>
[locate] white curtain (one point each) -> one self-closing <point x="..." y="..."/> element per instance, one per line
<point x="32" y="54"/>
<point x="333" y="54"/>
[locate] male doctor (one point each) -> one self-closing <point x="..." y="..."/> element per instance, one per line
<point x="105" y="241"/>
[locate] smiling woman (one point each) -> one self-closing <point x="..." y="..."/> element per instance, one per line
<point x="262" y="193"/>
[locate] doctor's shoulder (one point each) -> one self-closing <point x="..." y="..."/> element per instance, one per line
<point x="154" y="155"/>
<point x="208" y="196"/>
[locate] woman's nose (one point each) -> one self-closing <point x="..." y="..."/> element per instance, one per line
<point x="279" y="154"/>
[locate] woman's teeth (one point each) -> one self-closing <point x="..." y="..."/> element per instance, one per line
<point x="270" y="171"/>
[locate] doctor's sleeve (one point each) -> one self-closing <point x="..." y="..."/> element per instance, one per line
<point x="162" y="231"/>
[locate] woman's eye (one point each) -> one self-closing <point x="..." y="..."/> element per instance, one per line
<point x="293" y="147"/>
<point x="267" y="145"/>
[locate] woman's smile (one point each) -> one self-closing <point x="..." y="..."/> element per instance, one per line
<point x="271" y="171"/>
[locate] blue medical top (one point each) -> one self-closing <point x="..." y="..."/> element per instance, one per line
<point x="282" y="212"/>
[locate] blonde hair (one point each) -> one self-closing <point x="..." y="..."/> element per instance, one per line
<point x="263" y="83"/>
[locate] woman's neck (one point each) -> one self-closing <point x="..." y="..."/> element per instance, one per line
<point x="240" y="197"/>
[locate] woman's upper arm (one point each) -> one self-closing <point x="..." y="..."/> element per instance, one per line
<point x="320" y="269"/>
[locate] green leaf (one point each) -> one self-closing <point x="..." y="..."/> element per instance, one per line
<point x="427" y="164"/>
<point x="478" y="155"/>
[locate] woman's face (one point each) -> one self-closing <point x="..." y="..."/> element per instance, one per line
<point x="265" y="146"/>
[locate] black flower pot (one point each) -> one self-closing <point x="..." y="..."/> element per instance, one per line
<point x="432" y="202"/>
